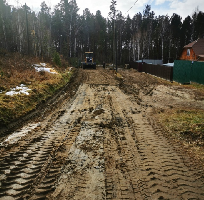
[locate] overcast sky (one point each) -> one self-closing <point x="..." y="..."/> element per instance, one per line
<point x="160" y="7"/>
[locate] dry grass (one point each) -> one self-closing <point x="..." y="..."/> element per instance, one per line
<point x="16" y="69"/>
<point x="185" y="127"/>
<point x="185" y="124"/>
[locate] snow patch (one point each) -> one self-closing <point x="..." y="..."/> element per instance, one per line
<point x="42" y="67"/>
<point x="43" y="64"/>
<point x="22" y="89"/>
<point x="169" y="64"/>
<point x="17" y="135"/>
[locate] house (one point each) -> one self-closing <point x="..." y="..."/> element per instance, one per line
<point x="193" y="51"/>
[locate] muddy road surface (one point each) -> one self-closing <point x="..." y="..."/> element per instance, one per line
<point x="100" y="144"/>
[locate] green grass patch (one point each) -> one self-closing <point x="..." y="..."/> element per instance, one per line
<point x="185" y="124"/>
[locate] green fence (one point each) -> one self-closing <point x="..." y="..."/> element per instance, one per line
<point x="187" y="71"/>
<point x="197" y="73"/>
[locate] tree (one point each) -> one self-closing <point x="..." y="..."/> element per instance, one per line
<point x="44" y="30"/>
<point x="57" y="29"/>
<point x="198" y="25"/>
<point x="116" y="39"/>
<point x="112" y="15"/>
<point x="148" y="18"/>
<point x="186" y="31"/>
<point x="164" y="39"/>
<point x="137" y="36"/>
<point x="120" y="24"/>
<point x="100" y="37"/>
<point x="5" y="25"/>
<point x="175" y="26"/>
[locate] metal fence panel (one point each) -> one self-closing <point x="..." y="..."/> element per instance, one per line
<point x="182" y="69"/>
<point x="187" y="71"/>
<point x="197" y="72"/>
<point x="159" y="70"/>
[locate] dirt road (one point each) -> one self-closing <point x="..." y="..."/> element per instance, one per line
<point x="100" y="144"/>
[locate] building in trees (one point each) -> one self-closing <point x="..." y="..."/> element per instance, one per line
<point x="194" y="51"/>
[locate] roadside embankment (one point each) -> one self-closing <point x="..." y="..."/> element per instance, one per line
<point x="26" y="83"/>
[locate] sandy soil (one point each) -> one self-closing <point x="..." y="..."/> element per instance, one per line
<point x="102" y="144"/>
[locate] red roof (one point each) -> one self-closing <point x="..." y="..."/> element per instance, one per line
<point x="197" y="46"/>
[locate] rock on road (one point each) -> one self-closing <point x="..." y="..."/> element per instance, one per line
<point x="97" y="145"/>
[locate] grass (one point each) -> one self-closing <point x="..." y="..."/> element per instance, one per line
<point x="186" y="125"/>
<point x="198" y="86"/>
<point x="187" y="128"/>
<point x="16" y="69"/>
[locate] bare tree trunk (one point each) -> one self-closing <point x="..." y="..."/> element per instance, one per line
<point x="138" y="49"/>
<point x="28" y="50"/>
<point x="169" y="48"/>
<point x="70" y="42"/>
<point x="19" y="34"/>
<point x="4" y="30"/>
<point x="162" y="49"/>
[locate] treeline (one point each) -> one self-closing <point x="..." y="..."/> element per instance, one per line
<point x="115" y="38"/>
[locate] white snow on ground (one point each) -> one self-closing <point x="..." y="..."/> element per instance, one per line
<point x="43" y="64"/>
<point x="22" y="89"/>
<point x="42" y="67"/>
<point x="169" y="64"/>
<point x="17" y="135"/>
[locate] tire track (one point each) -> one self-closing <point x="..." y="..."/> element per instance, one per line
<point x="30" y="170"/>
<point x="99" y="145"/>
<point x="161" y="173"/>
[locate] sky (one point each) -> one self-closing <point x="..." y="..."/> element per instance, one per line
<point x="131" y="7"/>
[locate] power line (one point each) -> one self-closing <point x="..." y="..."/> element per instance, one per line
<point x="131" y="7"/>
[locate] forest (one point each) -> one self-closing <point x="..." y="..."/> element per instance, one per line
<point x="113" y="39"/>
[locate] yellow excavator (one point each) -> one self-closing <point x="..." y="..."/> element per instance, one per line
<point x="89" y="61"/>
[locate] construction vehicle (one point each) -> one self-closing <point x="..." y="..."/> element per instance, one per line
<point x="89" y="62"/>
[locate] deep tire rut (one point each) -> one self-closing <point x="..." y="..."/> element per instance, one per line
<point x="97" y="145"/>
